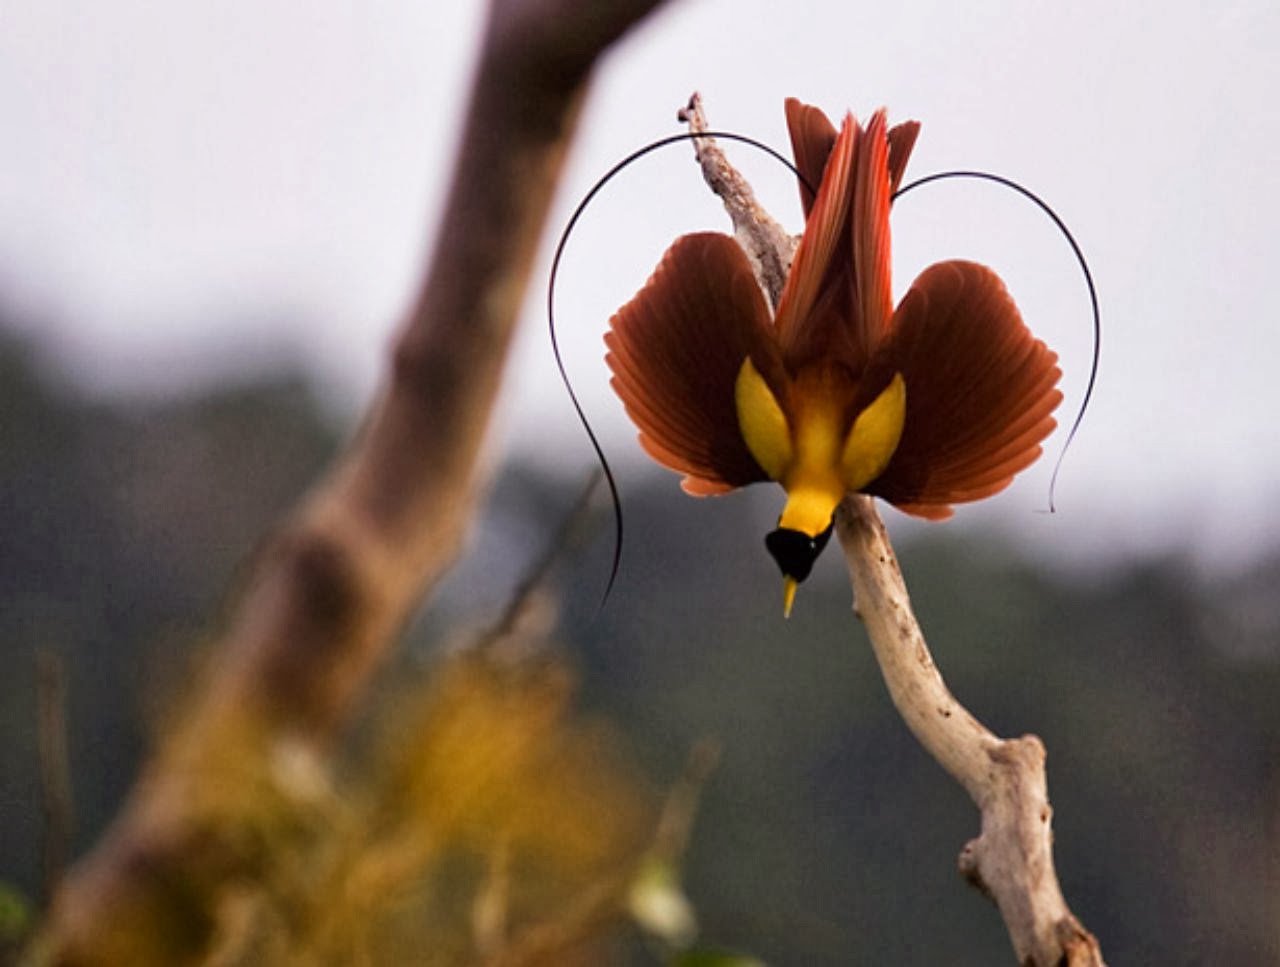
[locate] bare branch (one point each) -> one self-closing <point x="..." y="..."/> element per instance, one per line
<point x="614" y="896"/>
<point x="676" y="822"/>
<point x="55" y="775"/>
<point x="1012" y="859"/>
<point x="330" y="591"/>
<point x="766" y="243"/>
<point x="534" y="579"/>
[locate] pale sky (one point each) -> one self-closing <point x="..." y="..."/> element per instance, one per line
<point x="183" y="183"/>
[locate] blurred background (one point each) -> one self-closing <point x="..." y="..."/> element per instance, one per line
<point x="212" y="218"/>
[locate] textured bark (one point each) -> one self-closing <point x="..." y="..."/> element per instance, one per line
<point x="767" y="244"/>
<point x="1011" y="860"/>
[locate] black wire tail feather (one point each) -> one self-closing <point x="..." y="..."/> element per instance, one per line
<point x="595" y="189"/>
<point x="1088" y="281"/>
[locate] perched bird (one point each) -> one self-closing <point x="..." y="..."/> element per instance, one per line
<point x="939" y="401"/>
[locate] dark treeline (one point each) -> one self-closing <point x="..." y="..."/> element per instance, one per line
<point x="826" y="836"/>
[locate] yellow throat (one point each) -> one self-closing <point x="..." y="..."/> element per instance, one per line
<point x="815" y="455"/>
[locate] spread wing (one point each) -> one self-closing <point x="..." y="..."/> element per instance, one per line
<point x="980" y="391"/>
<point x="675" y="351"/>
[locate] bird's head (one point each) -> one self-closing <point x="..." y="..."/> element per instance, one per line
<point x="794" y="551"/>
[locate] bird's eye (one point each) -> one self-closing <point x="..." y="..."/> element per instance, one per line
<point x="795" y="551"/>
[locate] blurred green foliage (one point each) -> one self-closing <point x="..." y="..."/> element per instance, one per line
<point x="15" y="915"/>
<point x="826" y="836"/>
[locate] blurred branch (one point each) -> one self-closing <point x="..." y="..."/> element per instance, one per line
<point x="676" y="821"/>
<point x="1011" y="861"/>
<point x="647" y="892"/>
<point x="335" y="584"/>
<point x="55" y="775"/>
<point x="523" y="599"/>
<point x="489" y="908"/>
<point x="630" y="892"/>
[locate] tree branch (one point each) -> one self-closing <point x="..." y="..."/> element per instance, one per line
<point x="767" y="244"/>
<point x="331" y="589"/>
<point x="1012" y="859"/>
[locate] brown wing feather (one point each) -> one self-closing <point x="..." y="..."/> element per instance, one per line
<point x="675" y="351"/>
<point x="902" y="138"/>
<point x="980" y="390"/>
<point x="812" y="136"/>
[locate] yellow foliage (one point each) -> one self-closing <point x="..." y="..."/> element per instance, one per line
<point x="489" y="812"/>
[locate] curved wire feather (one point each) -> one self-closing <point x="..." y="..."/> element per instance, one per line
<point x="551" y="291"/>
<point x="1088" y="281"/>
<point x="744" y="139"/>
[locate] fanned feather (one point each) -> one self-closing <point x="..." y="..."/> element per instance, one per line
<point x="675" y="351"/>
<point x="902" y="138"/>
<point x="980" y="390"/>
<point x="812" y="138"/>
<point x="838" y="302"/>
<point x="871" y="194"/>
<point x="817" y="258"/>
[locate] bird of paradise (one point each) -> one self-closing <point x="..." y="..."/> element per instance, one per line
<point x="939" y="401"/>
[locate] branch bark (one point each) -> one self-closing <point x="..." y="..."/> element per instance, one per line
<point x="1011" y="860"/>
<point x="331" y="589"/>
<point x="767" y="244"/>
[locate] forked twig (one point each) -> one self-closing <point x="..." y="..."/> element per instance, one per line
<point x="767" y="244"/>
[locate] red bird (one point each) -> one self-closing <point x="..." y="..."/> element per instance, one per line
<point x="937" y="402"/>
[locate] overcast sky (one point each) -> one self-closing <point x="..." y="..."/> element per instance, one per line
<point x="194" y="185"/>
